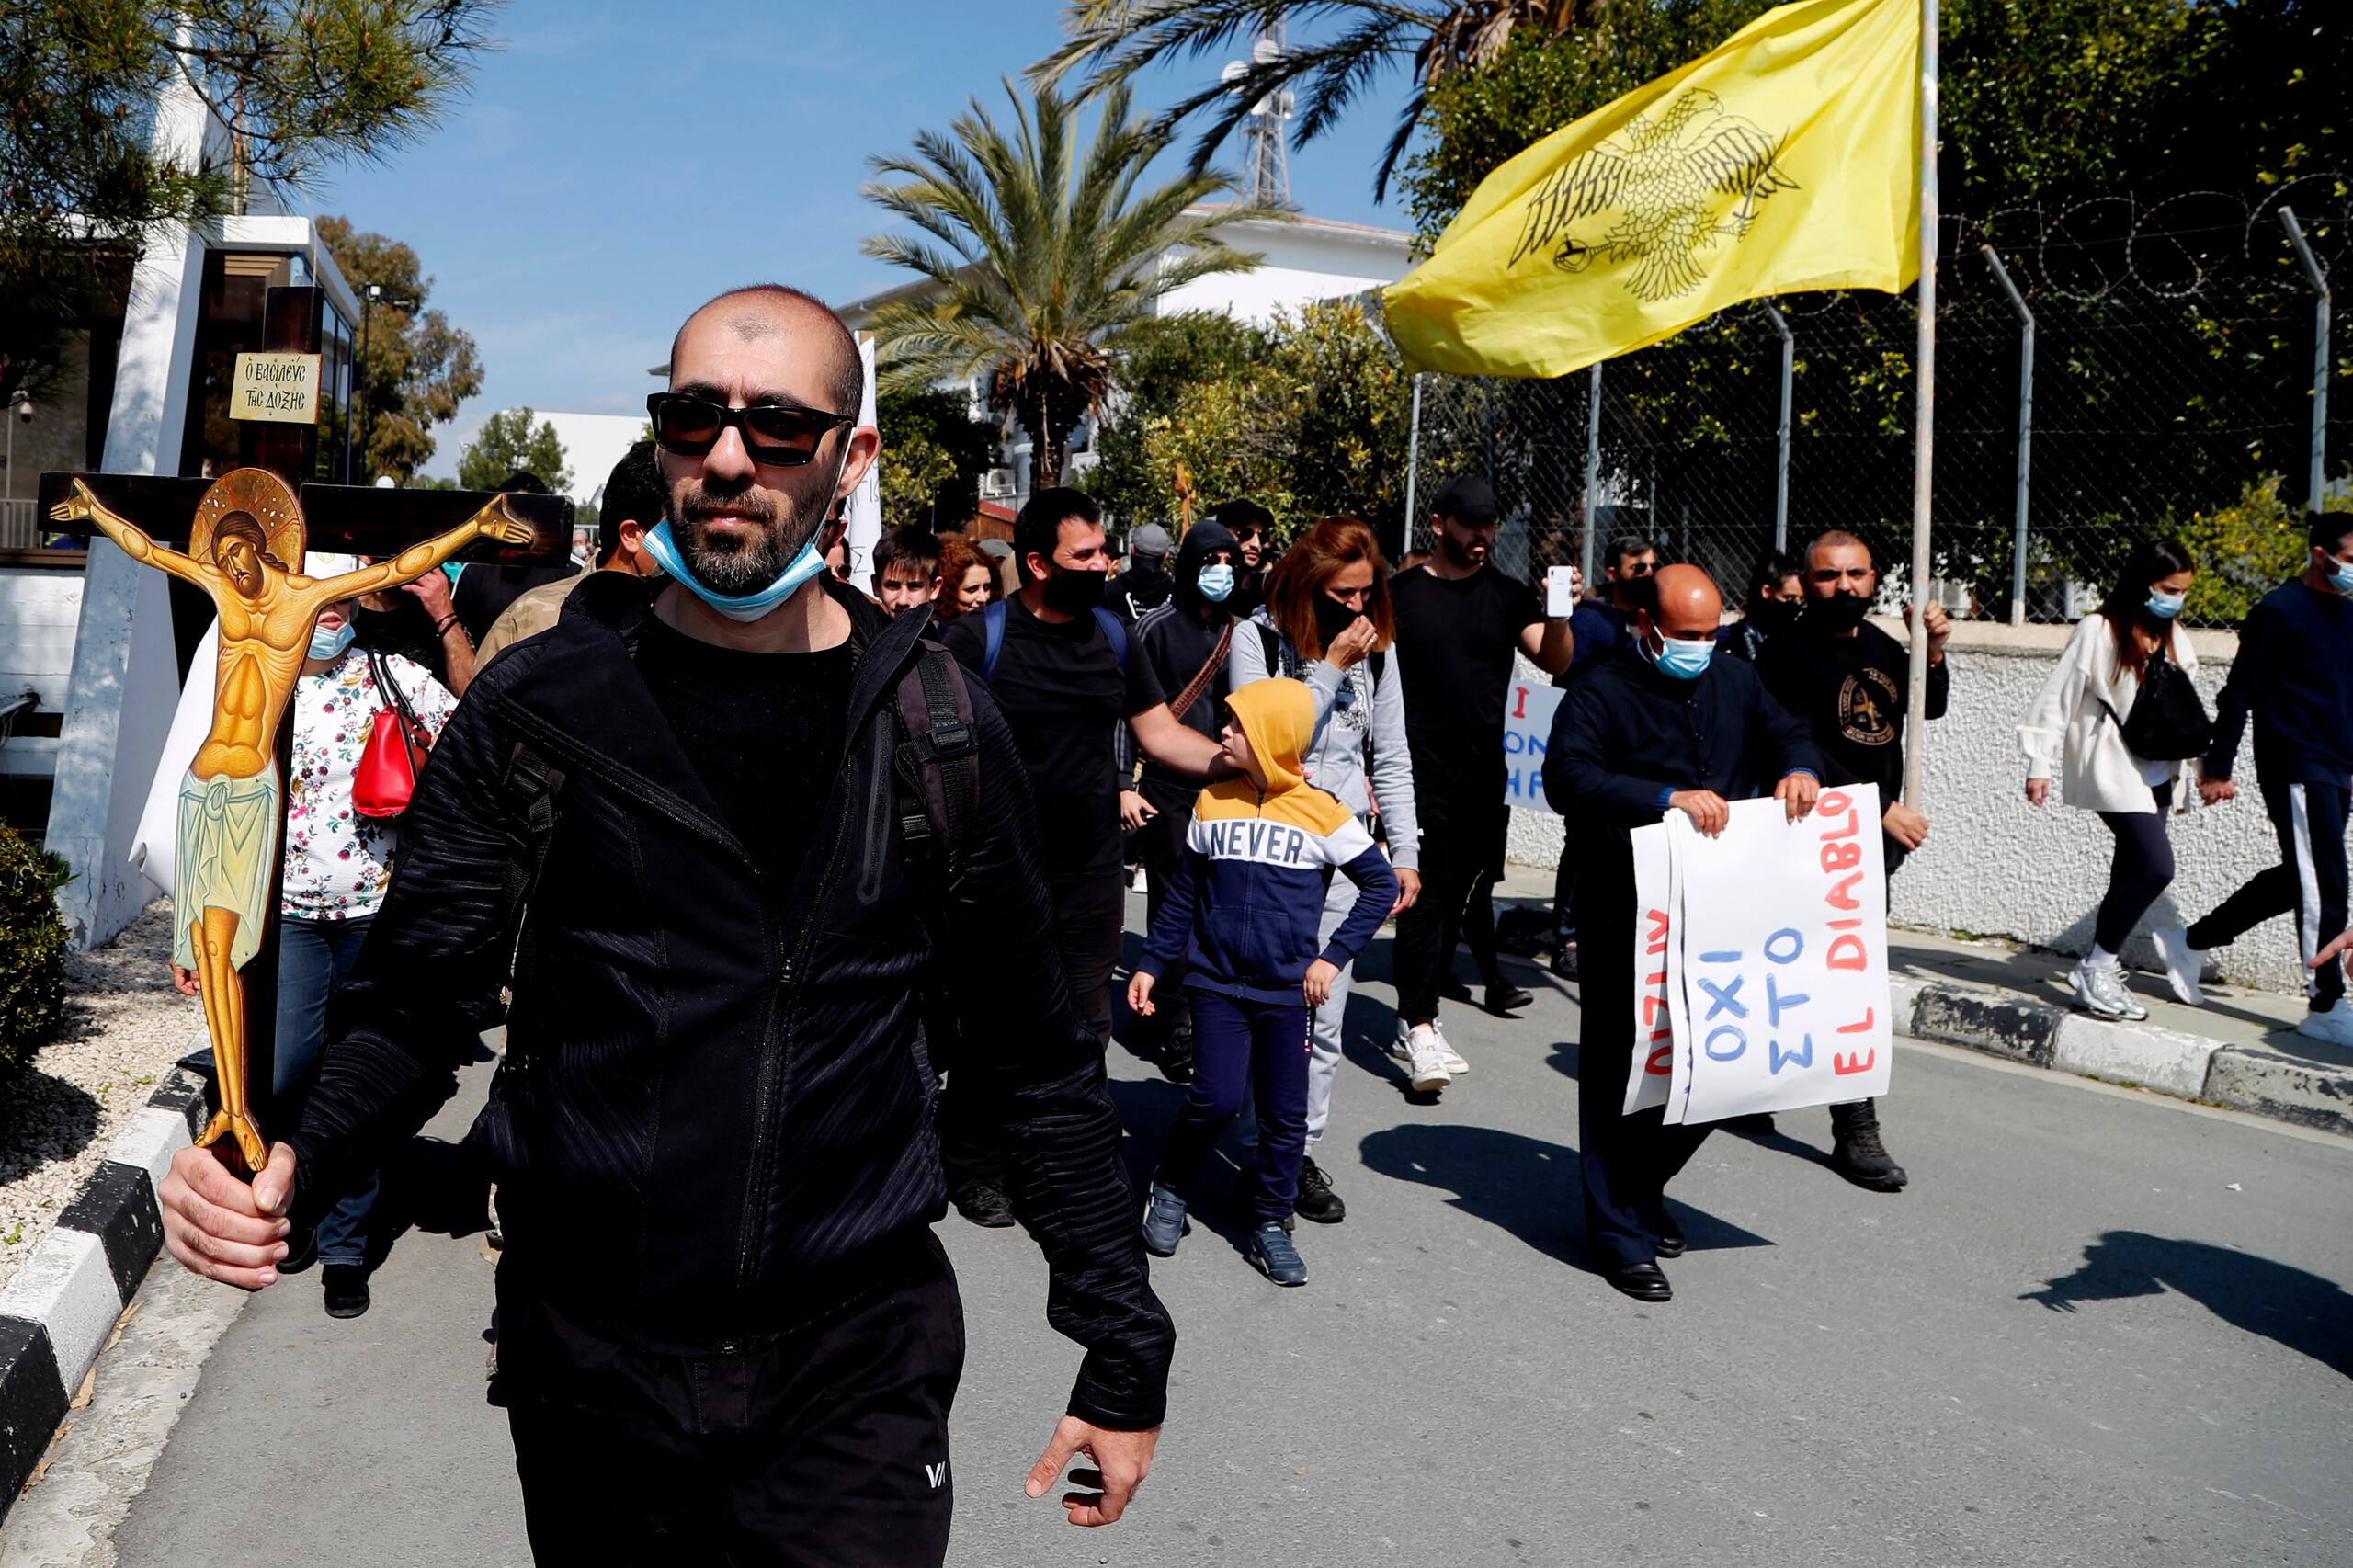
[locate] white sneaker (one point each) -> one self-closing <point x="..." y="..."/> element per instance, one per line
<point x="1455" y="1065"/>
<point x="2334" y="1024"/>
<point x="2102" y="989"/>
<point x="1425" y="1066"/>
<point x="2183" y="963"/>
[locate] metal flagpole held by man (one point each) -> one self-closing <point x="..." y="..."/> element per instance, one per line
<point x="1924" y="440"/>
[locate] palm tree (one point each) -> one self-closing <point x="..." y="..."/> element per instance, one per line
<point x="1043" y="258"/>
<point x="1118" y="38"/>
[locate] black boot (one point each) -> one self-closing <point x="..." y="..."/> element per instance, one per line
<point x="1856" y="1152"/>
<point x="983" y="1204"/>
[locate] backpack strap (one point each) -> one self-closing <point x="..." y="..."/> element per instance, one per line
<point x="992" y="640"/>
<point x="938" y="761"/>
<point x="1115" y="630"/>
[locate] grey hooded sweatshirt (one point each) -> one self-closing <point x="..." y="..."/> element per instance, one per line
<point x="1359" y="718"/>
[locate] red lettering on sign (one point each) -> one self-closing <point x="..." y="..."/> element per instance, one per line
<point x="1834" y="802"/>
<point x="1847" y="1066"/>
<point x="1661" y="1064"/>
<point x="1841" y="857"/>
<point x="1519" y="702"/>
<point x="1863" y="1028"/>
<point x="1657" y="941"/>
<point x="1846" y="925"/>
<point x="1841" y="896"/>
<point x="1845" y="952"/>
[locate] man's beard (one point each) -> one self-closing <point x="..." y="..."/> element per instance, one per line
<point x="1455" y="551"/>
<point x="738" y="562"/>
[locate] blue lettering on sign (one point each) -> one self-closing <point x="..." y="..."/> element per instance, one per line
<point x="1802" y="1057"/>
<point x="1513" y="743"/>
<point x="1797" y="945"/>
<point x="1724" y="998"/>
<point x="1776" y="1004"/>
<point x="1739" y="1043"/>
<point x="1719" y="958"/>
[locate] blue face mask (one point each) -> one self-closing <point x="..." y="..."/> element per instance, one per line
<point x="2165" y="607"/>
<point x="1215" y="583"/>
<point x="2341" y="576"/>
<point x="326" y="644"/>
<point x="1681" y="660"/>
<point x="734" y="607"/>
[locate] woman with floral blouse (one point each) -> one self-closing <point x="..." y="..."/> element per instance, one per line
<point x="337" y="863"/>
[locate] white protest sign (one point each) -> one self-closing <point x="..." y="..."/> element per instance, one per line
<point x="1781" y="930"/>
<point x="1528" y="724"/>
<point x="1653" y="935"/>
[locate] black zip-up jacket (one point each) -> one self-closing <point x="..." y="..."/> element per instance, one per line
<point x="716" y="1101"/>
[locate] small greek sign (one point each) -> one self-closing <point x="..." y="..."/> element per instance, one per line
<point x="280" y="388"/>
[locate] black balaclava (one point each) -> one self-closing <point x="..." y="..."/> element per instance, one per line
<point x="1200" y="541"/>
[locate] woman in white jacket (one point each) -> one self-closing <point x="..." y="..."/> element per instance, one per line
<point x="2077" y="725"/>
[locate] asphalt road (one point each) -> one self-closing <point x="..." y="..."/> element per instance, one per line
<point x="2101" y="1327"/>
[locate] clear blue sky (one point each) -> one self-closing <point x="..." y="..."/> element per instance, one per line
<point x="617" y="163"/>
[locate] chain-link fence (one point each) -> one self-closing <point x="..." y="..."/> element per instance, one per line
<point x="2156" y="363"/>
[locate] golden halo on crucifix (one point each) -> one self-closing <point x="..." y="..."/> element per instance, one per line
<point x="257" y="494"/>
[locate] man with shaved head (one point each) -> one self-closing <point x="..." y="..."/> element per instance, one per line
<point x="727" y="1334"/>
<point x="1661" y="726"/>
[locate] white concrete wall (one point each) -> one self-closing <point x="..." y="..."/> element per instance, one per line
<point x="38" y="609"/>
<point x="1994" y="865"/>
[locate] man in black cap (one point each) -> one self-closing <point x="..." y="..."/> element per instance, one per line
<point x="1460" y="620"/>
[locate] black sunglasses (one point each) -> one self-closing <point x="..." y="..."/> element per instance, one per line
<point x="780" y="434"/>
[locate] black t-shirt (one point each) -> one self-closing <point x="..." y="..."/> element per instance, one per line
<point x="1061" y="691"/>
<point x="405" y="629"/>
<point x="1851" y="694"/>
<point x="484" y="590"/>
<point x="763" y="731"/>
<point x="1455" y="641"/>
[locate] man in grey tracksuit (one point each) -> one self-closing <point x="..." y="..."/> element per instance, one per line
<point x="1359" y="731"/>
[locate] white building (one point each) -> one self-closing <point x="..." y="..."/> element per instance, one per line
<point x="593" y="443"/>
<point x="1308" y="261"/>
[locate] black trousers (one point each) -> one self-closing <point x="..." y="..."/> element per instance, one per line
<point x="2137" y="872"/>
<point x="1089" y="911"/>
<point x="1461" y="844"/>
<point x="823" y="1445"/>
<point x="1625" y="1161"/>
<point x="2308" y="882"/>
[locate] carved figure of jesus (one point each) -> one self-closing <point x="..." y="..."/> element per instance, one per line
<point x="244" y="551"/>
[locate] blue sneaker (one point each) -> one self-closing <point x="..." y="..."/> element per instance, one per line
<point x="1163" y="1222"/>
<point x="1272" y="1250"/>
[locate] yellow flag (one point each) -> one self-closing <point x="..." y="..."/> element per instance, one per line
<point x="1786" y="158"/>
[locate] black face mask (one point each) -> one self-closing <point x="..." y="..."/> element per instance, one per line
<point x="1773" y="617"/>
<point x="1332" y="617"/>
<point x="1075" y="593"/>
<point x="1840" y="611"/>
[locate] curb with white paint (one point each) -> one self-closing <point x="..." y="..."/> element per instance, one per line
<point x="61" y="1302"/>
<point x="2255" y="1078"/>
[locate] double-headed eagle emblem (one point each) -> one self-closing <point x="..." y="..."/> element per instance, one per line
<point x="1667" y="178"/>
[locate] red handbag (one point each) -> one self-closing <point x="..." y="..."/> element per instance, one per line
<point x="394" y="754"/>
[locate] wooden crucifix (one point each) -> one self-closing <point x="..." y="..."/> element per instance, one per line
<point x="245" y="536"/>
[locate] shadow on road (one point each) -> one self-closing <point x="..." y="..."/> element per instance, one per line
<point x="2301" y="1310"/>
<point x="1521" y="1184"/>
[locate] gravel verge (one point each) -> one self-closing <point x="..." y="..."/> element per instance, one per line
<point x="124" y="1027"/>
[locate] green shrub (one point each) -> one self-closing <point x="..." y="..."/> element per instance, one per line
<point x="32" y="951"/>
<point x="2245" y="550"/>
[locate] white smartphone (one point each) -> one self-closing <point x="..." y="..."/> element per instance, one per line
<point x="1560" y="591"/>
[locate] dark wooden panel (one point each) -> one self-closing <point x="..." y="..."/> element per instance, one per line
<point x="363" y="520"/>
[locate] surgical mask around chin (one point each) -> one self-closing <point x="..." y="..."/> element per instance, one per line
<point x="2341" y="576"/>
<point x="734" y="607"/>
<point x="2165" y="607"/>
<point x="1680" y="659"/>
<point x="331" y="644"/>
<point x="1215" y="583"/>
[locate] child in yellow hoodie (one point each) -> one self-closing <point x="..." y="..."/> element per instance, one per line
<point x="1243" y="912"/>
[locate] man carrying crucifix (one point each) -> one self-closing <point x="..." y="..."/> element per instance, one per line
<point x="242" y="551"/>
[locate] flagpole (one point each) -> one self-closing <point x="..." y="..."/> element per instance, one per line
<point x="1923" y="448"/>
